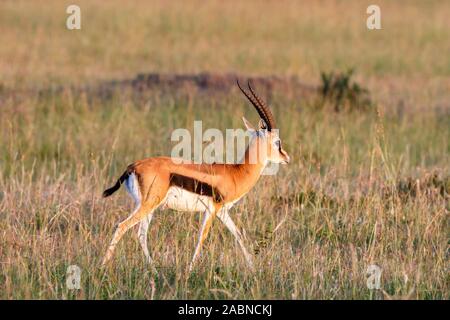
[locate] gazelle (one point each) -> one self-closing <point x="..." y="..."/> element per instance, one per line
<point x="209" y="188"/>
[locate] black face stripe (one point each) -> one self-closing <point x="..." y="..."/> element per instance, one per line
<point x="278" y="143"/>
<point x="195" y="186"/>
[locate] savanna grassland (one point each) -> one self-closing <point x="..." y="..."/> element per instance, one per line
<point x="365" y="186"/>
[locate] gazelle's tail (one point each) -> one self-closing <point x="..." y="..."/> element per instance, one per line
<point x="119" y="182"/>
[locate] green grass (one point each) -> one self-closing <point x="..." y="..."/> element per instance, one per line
<point x="60" y="151"/>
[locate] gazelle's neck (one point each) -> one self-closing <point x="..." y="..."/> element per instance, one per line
<point x="256" y="152"/>
<point x="254" y="160"/>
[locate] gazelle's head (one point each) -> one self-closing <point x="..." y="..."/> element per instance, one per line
<point x="266" y="135"/>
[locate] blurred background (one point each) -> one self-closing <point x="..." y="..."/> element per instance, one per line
<point x="303" y="38"/>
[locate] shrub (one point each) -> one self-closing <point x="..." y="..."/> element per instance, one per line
<point x="339" y="91"/>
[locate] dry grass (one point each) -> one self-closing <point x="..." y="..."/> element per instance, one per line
<point x="291" y="37"/>
<point x="340" y="197"/>
<point x="60" y="153"/>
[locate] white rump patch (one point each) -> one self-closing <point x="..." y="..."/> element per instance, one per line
<point x="133" y="188"/>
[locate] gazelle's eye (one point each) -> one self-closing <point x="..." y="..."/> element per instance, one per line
<point x="278" y="143"/>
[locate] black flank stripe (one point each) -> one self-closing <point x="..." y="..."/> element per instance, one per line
<point x="195" y="186"/>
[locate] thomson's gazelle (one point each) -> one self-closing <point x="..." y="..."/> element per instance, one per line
<point x="208" y="188"/>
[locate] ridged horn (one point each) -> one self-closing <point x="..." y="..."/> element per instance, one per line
<point x="269" y="118"/>
<point x="256" y="104"/>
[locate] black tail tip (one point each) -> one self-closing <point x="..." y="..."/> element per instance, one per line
<point x="116" y="187"/>
<point x="108" y="192"/>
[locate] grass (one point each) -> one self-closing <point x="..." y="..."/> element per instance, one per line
<point x="339" y="219"/>
<point x="302" y="38"/>
<point x="342" y="198"/>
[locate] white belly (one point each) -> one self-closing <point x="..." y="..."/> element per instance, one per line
<point x="182" y="200"/>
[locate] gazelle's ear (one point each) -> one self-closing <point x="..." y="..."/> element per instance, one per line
<point x="248" y="125"/>
<point x="262" y="124"/>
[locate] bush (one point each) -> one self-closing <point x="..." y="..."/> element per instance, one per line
<point x="338" y="90"/>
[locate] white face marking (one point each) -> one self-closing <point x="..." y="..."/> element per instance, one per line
<point x="182" y="200"/>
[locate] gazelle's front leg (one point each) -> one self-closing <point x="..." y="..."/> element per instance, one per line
<point x="206" y="225"/>
<point x="228" y="222"/>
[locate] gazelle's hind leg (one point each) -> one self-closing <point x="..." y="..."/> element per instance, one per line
<point x="146" y="208"/>
<point x="133" y="189"/>
<point x="142" y="235"/>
